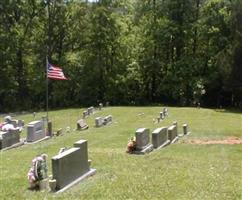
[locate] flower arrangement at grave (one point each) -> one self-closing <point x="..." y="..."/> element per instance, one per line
<point x="131" y="145"/>
<point x="38" y="170"/>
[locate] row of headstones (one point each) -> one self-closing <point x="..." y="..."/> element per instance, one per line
<point x="160" y="138"/>
<point x="163" y="115"/>
<point x="91" y="110"/>
<point x="35" y="132"/>
<point x="36" y="129"/>
<point x="88" y="112"/>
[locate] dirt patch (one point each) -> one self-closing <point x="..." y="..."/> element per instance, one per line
<point x="230" y="140"/>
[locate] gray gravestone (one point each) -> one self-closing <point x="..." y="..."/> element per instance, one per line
<point x="185" y="129"/>
<point x="85" y="114"/>
<point x="165" y="111"/>
<point x="162" y="116"/>
<point x="142" y="138"/>
<point x="90" y="110"/>
<point x="66" y="167"/>
<point x="82" y="144"/>
<point x="159" y="137"/>
<point x="70" y="165"/>
<point x="20" y="123"/>
<point x="7" y="139"/>
<point x="49" y="132"/>
<point x="100" y="106"/>
<point x="107" y="120"/>
<point x="142" y="141"/>
<point x="81" y="125"/>
<point x="176" y="125"/>
<point x="172" y="133"/>
<point x="35" y="131"/>
<point x="98" y="121"/>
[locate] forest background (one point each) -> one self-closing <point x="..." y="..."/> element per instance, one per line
<point x="127" y="52"/>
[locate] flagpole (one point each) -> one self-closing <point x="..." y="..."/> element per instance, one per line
<point x="47" y="54"/>
<point x="47" y="91"/>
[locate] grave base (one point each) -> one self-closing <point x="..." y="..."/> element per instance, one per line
<point x="175" y="140"/>
<point x="82" y="128"/>
<point x="164" y="144"/>
<point x="147" y="149"/>
<point x="20" y="143"/>
<point x="44" y="184"/>
<point x="91" y="172"/>
<point x="188" y="133"/>
<point x="45" y="138"/>
<point x="182" y="135"/>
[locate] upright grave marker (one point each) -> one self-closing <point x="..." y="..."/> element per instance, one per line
<point x="85" y="114"/>
<point x="71" y="166"/>
<point x="9" y="138"/>
<point x="172" y="133"/>
<point x="185" y="129"/>
<point x="90" y="110"/>
<point x="98" y="121"/>
<point x="143" y="141"/>
<point x="81" y="125"/>
<point x="160" y="137"/>
<point x="35" y="131"/>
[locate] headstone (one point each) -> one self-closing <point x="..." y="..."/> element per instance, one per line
<point x="20" y="123"/>
<point x="172" y="133"/>
<point x="185" y="129"/>
<point x="107" y="120"/>
<point x="49" y="130"/>
<point x="98" y="121"/>
<point x="90" y="110"/>
<point x="85" y="114"/>
<point x="35" y="131"/>
<point x="176" y="125"/>
<point x="160" y="137"/>
<point x="71" y="165"/>
<point x="81" y="125"/>
<point x="107" y="103"/>
<point x="165" y="111"/>
<point x="9" y="138"/>
<point x="100" y="106"/>
<point x="162" y="116"/>
<point x="142" y="138"/>
<point x="142" y="141"/>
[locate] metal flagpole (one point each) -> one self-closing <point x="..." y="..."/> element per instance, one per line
<point x="47" y="91"/>
<point x="47" y="54"/>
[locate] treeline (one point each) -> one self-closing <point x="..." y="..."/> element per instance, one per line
<point x="127" y="52"/>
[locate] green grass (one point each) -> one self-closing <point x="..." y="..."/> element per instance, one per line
<point x="179" y="171"/>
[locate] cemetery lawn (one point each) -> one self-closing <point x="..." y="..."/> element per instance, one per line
<point x="180" y="171"/>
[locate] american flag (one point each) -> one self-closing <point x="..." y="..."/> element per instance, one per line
<point x="54" y="72"/>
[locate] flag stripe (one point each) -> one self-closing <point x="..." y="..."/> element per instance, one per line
<point x="54" y="72"/>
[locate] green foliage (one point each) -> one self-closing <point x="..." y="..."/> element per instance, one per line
<point x="125" y="52"/>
